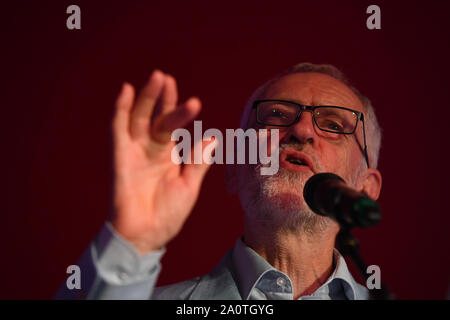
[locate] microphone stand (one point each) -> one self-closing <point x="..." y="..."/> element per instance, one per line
<point x="349" y="246"/>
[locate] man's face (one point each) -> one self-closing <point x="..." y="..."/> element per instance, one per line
<point x="278" y="199"/>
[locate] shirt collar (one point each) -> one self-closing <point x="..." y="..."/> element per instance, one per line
<point x="351" y="288"/>
<point x="249" y="267"/>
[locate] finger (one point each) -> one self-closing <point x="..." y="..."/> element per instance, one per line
<point x="145" y="103"/>
<point x="124" y="103"/>
<point x="168" y="99"/>
<point x="164" y="125"/>
<point x="195" y="173"/>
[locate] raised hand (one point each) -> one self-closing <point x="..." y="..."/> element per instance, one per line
<point x="152" y="196"/>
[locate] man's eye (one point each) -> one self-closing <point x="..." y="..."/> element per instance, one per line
<point x="334" y="126"/>
<point x="277" y="114"/>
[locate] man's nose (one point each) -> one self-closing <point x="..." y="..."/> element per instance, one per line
<point x="303" y="130"/>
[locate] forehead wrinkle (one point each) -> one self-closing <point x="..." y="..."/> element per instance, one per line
<point x="313" y="89"/>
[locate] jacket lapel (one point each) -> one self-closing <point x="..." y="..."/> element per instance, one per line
<point x="219" y="284"/>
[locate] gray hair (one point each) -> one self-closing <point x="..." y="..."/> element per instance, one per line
<point x="373" y="129"/>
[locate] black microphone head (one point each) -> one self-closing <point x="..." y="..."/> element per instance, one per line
<point x="312" y="185"/>
<point x="327" y="195"/>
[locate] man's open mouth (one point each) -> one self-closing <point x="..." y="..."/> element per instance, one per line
<point x="296" y="161"/>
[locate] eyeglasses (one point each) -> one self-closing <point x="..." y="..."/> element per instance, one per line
<point x="331" y="120"/>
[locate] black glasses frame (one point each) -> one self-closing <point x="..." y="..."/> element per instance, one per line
<point x="359" y="114"/>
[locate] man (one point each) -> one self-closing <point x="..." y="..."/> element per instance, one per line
<point x="287" y="251"/>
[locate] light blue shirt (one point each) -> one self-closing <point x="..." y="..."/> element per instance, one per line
<point x="258" y="280"/>
<point x="111" y="268"/>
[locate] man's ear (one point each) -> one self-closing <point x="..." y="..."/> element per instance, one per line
<point x="231" y="181"/>
<point x="370" y="183"/>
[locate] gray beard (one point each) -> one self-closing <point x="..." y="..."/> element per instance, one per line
<point x="276" y="203"/>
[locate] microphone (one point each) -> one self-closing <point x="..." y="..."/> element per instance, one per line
<point x="328" y="195"/>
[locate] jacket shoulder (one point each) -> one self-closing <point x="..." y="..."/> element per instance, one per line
<point x="219" y="284"/>
<point x="362" y="292"/>
<point x="177" y="291"/>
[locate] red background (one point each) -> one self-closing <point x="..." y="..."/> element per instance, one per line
<point x="58" y="88"/>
